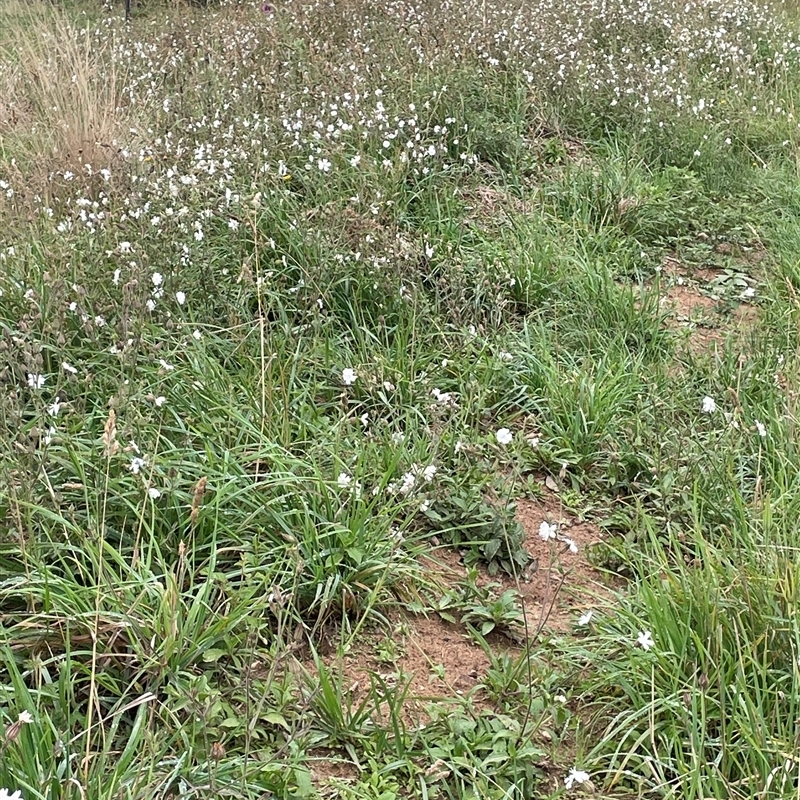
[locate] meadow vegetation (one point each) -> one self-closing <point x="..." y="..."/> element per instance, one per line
<point x="299" y="304"/>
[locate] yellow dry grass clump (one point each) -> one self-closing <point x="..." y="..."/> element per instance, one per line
<point x="59" y="92"/>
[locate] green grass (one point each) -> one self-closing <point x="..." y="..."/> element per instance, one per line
<point x="268" y="291"/>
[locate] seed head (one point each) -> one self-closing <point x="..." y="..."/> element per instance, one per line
<point x="197" y="500"/>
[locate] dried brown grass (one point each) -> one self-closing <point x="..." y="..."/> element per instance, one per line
<point x="60" y="93"/>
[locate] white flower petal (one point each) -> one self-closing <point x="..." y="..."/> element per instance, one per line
<point x="586" y="618"/>
<point x="548" y="531"/>
<point x="575" y="778"/>
<point x="645" y="640"/>
<point x="504" y="436"/>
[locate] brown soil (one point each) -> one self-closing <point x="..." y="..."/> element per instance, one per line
<point x="438" y="659"/>
<point x="564" y="584"/>
<point x="693" y="307"/>
<point x="556" y="586"/>
<point x="327" y="769"/>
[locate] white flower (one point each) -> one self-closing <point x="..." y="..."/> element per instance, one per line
<point x="429" y="472"/>
<point x="442" y="397"/>
<point x="548" y="531"/>
<point x="344" y="480"/>
<point x="323" y="164"/>
<point x="731" y="420"/>
<point x="25" y="718"/>
<point x="408" y="481"/>
<point x="348" y="376"/>
<point x="575" y="777"/>
<point x="429" y="251"/>
<point x="645" y="640"/>
<point x="157" y="278"/>
<point x="164" y="365"/>
<point x="6" y="795"/>
<point x="709" y="405"/>
<point x="153" y="493"/>
<point x="54" y="408"/>
<point x="69" y="368"/>
<point x="749" y="292"/>
<point x="503" y="355"/>
<point x="36" y="381"/>
<point x="504" y="436"/>
<point x="533" y="441"/>
<point x="136" y="464"/>
<point x="151" y="304"/>
<point x="180" y="297"/>
<point x="398" y="437"/>
<point x="762" y="431"/>
<point x="586" y="618"/>
<point x="573" y="548"/>
<point x="197" y="335"/>
<point x="159" y="401"/>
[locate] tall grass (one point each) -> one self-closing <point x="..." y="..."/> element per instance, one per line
<point x="62" y="91"/>
<point x="292" y="296"/>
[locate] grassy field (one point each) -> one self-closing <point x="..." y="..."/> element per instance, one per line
<point x="399" y="400"/>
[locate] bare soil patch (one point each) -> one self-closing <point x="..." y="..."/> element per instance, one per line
<point x="557" y="585"/>
<point x="564" y="584"/>
<point x="697" y="307"/>
<point x="327" y="769"/>
<point x="439" y="660"/>
<point x="488" y="207"/>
